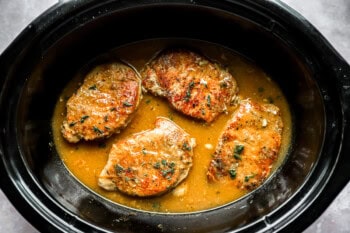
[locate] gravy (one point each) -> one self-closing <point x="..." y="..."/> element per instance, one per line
<point x="85" y="160"/>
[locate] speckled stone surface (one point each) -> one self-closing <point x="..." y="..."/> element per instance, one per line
<point x="330" y="17"/>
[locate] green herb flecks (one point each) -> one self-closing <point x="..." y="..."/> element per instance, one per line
<point x="164" y="162"/>
<point x="247" y="178"/>
<point x="118" y="168"/>
<point x="167" y="169"/>
<point x="97" y="130"/>
<point x="208" y="100"/>
<point x="238" y="151"/>
<point x="233" y="173"/>
<point x="156" y="165"/>
<point x="168" y="173"/>
<point x="186" y="146"/>
<point x="83" y="118"/>
<point x="144" y="151"/>
<point x="72" y="124"/>
<point x="127" y="104"/>
<point x="188" y="91"/>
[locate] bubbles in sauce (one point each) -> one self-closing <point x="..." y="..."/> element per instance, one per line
<point x="85" y="160"/>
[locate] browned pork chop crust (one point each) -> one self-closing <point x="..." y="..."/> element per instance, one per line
<point x="103" y="104"/>
<point x="192" y="84"/>
<point x="248" y="146"/>
<point x="150" y="162"/>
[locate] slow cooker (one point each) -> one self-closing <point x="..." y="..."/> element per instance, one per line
<point x="41" y="60"/>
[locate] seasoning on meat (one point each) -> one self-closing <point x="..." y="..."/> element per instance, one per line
<point x="191" y="83"/>
<point x="248" y="146"/>
<point x="103" y="104"/>
<point x="150" y="162"/>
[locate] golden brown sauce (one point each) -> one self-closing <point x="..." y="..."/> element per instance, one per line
<point x="85" y="160"/>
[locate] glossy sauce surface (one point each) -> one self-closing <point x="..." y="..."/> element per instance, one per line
<point x="85" y="160"/>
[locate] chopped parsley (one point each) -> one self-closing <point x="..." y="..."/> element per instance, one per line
<point x="208" y="100"/>
<point x="83" y="118"/>
<point x="156" y="165"/>
<point x="188" y="95"/>
<point x="188" y="91"/>
<point x="186" y="146"/>
<point x="233" y="173"/>
<point x="72" y="124"/>
<point x="97" y="130"/>
<point x="247" y="178"/>
<point x="167" y="173"/>
<point x="166" y="169"/>
<point x="127" y="104"/>
<point x="191" y="84"/>
<point x="118" y="168"/>
<point x="238" y="151"/>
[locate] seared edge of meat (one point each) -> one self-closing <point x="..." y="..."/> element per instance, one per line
<point x="149" y="163"/>
<point x="192" y="84"/>
<point x="103" y="104"/>
<point x="248" y="146"/>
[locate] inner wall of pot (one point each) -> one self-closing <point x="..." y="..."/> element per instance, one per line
<point x="71" y="45"/>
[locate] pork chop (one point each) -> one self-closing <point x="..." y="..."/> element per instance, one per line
<point x="150" y="162"/>
<point x="248" y="146"/>
<point x="191" y="83"/>
<point x="103" y="104"/>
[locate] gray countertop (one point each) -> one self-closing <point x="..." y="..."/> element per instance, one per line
<point x="331" y="18"/>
